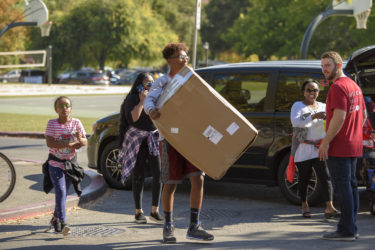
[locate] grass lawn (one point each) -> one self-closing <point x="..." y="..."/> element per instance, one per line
<point x="34" y="123"/>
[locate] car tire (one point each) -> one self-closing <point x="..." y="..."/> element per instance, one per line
<point x="372" y="202"/>
<point x="290" y="190"/>
<point x="111" y="169"/>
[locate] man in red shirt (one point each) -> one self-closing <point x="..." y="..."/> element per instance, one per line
<point x="345" y="114"/>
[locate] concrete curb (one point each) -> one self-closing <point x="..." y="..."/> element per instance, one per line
<point x="96" y="188"/>
<point x="37" y="135"/>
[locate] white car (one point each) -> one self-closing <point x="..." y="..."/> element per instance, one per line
<point x="11" y="76"/>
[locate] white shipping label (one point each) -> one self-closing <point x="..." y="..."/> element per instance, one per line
<point x="212" y="134"/>
<point x="174" y="130"/>
<point x="232" y="128"/>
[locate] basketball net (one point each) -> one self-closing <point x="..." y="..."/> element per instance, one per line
<point x="45" y="28"/>
<point x="361" y="19"/>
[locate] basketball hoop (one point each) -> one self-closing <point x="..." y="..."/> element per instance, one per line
<point x="361" y="19"/>
<point x="45" y="28"/>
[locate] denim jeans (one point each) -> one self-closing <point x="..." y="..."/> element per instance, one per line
<point x="343" y="177"/>
<point x="61" y="184"/>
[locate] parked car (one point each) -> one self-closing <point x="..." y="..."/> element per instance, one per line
<point x="113" y="77"/>
<point x="11" y="76"/>
<point x="264" y="93"/>
<point x="33" y="76"/>
<point x="127" y="77"/>
<point x="62" y="76"/>
<point x="86" y="77"/>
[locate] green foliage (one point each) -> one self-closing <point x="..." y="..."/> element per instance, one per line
<point x="96" y="32"/>
<point x="219" y="17"/>
<point x="11" y="40"/>
<point x="179" y="16"/>
<point x="276" y="28"/>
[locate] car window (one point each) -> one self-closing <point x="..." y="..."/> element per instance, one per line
<point x="81" y="74"/>
<point x="246" y="92"/>
<point x="367" y="82"/>
<point x="366" y="79"/>
<point x="289" y="88"/>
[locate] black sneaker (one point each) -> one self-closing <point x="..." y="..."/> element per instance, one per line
<point x="168" y="233"/>
<point x="337" y="236"/>
<point x="196" y="232"/>
<point x="156" y="217"/>
<point x="140" y="218"/>
<point x="56" y="224"/>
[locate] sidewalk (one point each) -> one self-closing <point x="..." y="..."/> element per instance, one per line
<point x="28" y="198"/>
<point x="59" y="89"/>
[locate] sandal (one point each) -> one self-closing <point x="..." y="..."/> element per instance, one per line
<point x="334" y="214"/>
<point x="306" y="214"/>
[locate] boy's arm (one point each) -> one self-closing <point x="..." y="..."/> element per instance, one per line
<point x="153" y="96"/>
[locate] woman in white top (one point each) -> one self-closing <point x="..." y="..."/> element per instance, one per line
<point x="310" y="114"/>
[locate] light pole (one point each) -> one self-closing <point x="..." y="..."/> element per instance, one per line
<point x="206" y="46"/>
<point x="196" y="28"/>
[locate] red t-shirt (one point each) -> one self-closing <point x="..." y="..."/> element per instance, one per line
<point x="346" y="95"/>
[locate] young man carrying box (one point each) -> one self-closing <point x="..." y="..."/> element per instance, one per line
<point x="175" y="167"/>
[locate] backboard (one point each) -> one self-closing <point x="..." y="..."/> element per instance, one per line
<point x="23" y="59"/>
<point x="36" y="11"/>
<point x="358" y="6"/>
<point x="361" y="9"/>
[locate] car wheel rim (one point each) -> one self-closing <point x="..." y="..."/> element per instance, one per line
<point x="293" y="187"/>
<point x="113" y="167"/>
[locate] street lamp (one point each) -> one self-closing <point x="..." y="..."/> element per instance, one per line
<point x="206" y="46"/>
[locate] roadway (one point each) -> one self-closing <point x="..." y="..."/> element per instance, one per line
<point x="241" y="216"/>
<point x="96" y="106"/>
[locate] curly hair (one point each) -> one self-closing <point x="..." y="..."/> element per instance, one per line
<point x="172" y="48"/>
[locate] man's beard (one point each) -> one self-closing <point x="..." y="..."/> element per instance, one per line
<point x="333" y="74"/>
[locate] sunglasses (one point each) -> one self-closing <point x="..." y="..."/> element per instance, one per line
<point x="182" y="57"/>
<point x="62" y="106"/>
<point x="312" y="90"/>
<point x="148" y="84"/>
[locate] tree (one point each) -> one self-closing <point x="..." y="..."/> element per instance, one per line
<point x="179" y="16"/>
<point x="219" y="17"/>
<point x="276" y="28"/>
<point x="99" y="31"/>
<point x="10" y="11"/>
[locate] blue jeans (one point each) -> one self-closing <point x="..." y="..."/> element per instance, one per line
<point x="61" y="183"/>
<point x="343" y="177"/>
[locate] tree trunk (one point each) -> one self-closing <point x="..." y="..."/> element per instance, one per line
<point x="101" y="59"/>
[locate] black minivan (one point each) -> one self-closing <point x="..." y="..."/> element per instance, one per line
<point x="264" y="93"/>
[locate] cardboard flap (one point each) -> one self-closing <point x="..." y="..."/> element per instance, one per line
<point x="175" y="84"/>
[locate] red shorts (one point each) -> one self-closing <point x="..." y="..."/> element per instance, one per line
<point x="179" y="168"/>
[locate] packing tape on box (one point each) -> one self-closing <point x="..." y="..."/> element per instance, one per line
<point x="176" y="83"/>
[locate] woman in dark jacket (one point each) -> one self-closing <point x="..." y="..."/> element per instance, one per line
<point x="139" y="144"/>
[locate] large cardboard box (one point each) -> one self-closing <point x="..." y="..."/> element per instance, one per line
<point x="200" y="124"/>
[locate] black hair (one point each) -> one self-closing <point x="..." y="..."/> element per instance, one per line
<point x="307" y="82"/>
<point x="62" y="97"/>
<point x="123" y="126"/>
